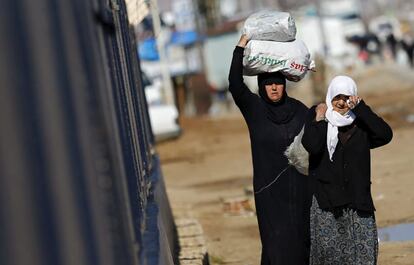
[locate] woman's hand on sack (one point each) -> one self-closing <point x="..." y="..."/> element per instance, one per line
<point x="353" y="101"/>
<point x="320" y="111"/>
<point x="243" y="41"/>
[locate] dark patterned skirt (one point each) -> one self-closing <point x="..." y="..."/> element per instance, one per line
<point x="344" y="239"/>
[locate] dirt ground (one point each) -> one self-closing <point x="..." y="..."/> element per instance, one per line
<point x="211" y="164"/>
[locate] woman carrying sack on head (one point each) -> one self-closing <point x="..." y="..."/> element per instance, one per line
<point x="338" y="136"/>
<point x="281" y="193"/>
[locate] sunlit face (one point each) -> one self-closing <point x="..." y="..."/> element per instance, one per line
<point x="274" y="91"/>
<point x="339" y="104"/>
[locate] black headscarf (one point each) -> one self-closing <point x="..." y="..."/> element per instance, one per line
<point x="283" y="110"/>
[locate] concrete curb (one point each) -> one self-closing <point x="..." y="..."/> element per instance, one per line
<point x="193" y="249"/>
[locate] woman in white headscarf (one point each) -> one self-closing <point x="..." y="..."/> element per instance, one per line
<point x="338" y="136"/>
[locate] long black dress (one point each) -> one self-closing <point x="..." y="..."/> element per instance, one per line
<point x="282" y="205"/>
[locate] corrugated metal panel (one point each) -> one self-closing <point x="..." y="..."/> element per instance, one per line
<point x="77" y="165"/>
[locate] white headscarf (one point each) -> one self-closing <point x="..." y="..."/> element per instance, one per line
<point x="339" y="85"/>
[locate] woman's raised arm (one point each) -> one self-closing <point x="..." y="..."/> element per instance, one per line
<point x="240" y="92"/>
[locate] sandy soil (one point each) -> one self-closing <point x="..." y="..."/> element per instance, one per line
<point x="211" y="162"/>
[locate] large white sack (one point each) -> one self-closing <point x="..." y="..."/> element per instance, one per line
<point x="291" y="58"/>
<point x="270" y="25"/>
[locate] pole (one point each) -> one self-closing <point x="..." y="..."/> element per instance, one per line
<point x="165" y="72"/>
<point x="322" y="28"/>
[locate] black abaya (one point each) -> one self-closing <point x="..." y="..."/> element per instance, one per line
<point x="283" y="205"/>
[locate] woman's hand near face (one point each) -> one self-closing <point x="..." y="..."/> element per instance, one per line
<point x="243" y="41"/>
<point x="320" y="111"/>
<point x="353" y="101"/>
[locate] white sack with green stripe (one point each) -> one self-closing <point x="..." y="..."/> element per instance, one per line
<point x="291" y="58"/>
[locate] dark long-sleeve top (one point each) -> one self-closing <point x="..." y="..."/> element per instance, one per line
<point x="345" y="181"/>
<point x="268" y="140"/>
